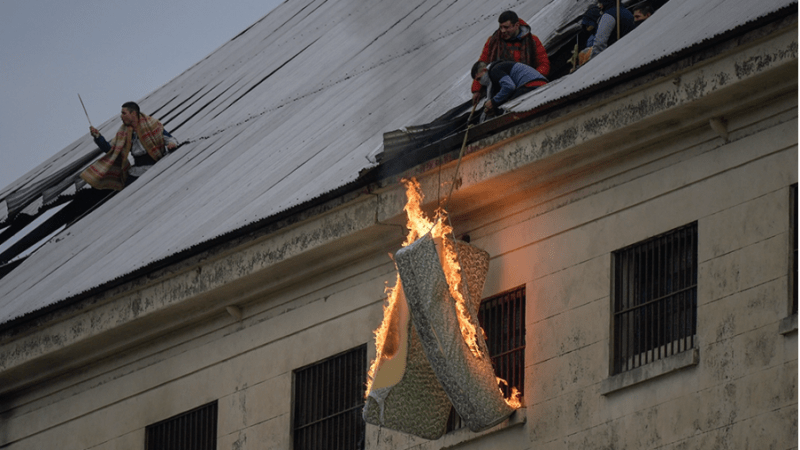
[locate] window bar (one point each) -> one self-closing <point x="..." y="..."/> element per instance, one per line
<point x="686" y="281"/>
<point x="628" y="261"/>
<point x="793" y="230"/>
<point x="619" y="343"/>
<point x="630" y="331"/>
<point x="673" y="312"/>
<point x="649" y="323"/>
<point x="693" y="294"/>
<point x="662" y="305"/>
<point x="686" y="327"/>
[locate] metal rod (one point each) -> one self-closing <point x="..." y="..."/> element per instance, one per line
<point x="84" y="111"/>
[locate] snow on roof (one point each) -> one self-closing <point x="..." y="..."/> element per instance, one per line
<point x="291" y="109"/>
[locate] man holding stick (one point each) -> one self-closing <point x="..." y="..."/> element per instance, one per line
<point x="140" y="136"/>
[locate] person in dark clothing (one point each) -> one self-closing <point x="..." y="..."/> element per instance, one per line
<point x="589" y="26"/>
<point x="607" y="25"/>
<point x="505" y="80"/>
<point x="512" y="41"/>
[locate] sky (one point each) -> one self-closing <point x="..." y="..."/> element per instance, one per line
<point x="108" y="51"/>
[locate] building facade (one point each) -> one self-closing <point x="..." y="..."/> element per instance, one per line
<point x="643" y="244"/>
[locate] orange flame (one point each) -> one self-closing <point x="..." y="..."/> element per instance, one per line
<point x="418" y="225"/>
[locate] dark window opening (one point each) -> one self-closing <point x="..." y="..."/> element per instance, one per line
<point x="192" y="430"/>
<point x="655" y="298"/>
<point x="328" y="400"/>
<point x="502" y="318"/>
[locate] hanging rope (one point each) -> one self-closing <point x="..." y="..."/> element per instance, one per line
<point x="460" y="155"/>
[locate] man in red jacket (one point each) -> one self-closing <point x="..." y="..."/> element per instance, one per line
<point x="512" y="41"/>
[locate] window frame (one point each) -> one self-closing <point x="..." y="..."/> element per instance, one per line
<point x="788" y="324"/>
<point x="334" y="366"/>
<point x="645" y="339"/>
<point x="208" y="412"/>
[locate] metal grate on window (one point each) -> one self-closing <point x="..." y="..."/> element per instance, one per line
<point x="328" y="399"/>
<point x="655" y="298"/>
<point x="192" y="430"/>
<point x="502" y="318"/>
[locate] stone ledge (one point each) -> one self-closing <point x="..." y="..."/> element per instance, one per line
<point x="788" y="325"/>
<point x="647" y="372"/>
<point x="457" y="437"/>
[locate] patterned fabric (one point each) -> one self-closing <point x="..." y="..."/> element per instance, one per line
<point x="527" y="49"/>
<point x="416" y="404"/>
<point x="111" y="171"/>
<point x="468" y="380"/>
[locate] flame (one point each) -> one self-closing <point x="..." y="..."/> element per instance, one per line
<point x="418" y="224"/>
<point x="386" y="340"/>
<point x="515" y="399"/>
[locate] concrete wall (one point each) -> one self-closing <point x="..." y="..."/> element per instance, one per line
<point x="552" y="233"/>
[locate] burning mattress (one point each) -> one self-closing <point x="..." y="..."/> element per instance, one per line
<point x="442" y="359"/>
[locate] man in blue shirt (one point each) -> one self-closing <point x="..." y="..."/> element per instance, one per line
<point x="505" y="80"/>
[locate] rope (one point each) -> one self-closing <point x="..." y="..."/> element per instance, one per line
<point x="460" y="156"/>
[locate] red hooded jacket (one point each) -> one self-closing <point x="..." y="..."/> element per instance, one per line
<point x="527" y="49"/>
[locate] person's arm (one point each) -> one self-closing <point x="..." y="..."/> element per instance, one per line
<point x="506" y="84"/>
<point x="542" y="60"/>
<point x="169" y="141"/>
<point x="99" y="140"/>
<point x="605" y="27"/>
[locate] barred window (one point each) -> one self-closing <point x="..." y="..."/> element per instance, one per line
<point x="328" y="399"/>
<point x="654" y="298"/>
<point x="192" y="430"/>
<point x="502" y="318"/>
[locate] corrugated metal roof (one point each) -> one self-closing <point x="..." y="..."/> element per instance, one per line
<point x="676" y="26"/>
<point x="294" y="108"/>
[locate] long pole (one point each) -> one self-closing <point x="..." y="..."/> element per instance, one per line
<point x="618" y="30"/>
<point x="84" y="111"/>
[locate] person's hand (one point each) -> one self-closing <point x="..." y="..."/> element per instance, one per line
<point x="171" y="146"/>
<point x="488" y="105"/>
<point x="94" y="131"/>
<point x="475" y="97"/>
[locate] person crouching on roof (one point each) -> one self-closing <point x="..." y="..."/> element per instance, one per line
<point x="513" y="41"/>
<point x="607" y="25"/>
<point x="505" y="80"/>
<point x="140" y="136"/>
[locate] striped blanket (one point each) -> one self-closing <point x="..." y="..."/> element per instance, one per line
<point x="111" y="171"/>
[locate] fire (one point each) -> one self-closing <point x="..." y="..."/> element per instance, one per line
<point x="515" y="399"/>
<point x="418" y="225"/>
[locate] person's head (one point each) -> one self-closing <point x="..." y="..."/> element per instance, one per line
<point x="509" y="25"/>
<point x="478" y="69"/>
<point x="590" y="18"/>
<point x="642" y="12"/>
<point x="480" y="73"/>
<point x="130" y="113"/>
<point x="606" y="4"/>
